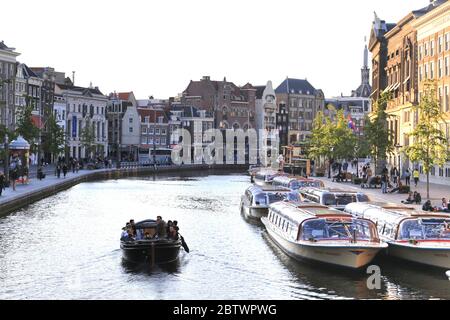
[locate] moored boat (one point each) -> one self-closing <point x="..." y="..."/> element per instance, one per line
<point x="265" y="176"/>
<point x="315" y="232"/>
<point x="417" y="236"/>
<point x="333" y="198"/>
<point x="256" y="200"/>
<point x="150" y="249"/>
<point x="296" y="183"/>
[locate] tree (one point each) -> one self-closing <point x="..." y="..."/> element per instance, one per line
<point x="88" y="137"/>
<point x="25" y="125"/>
<point x="343" y="138"/>
<point x="53" y="139"/>
<point x="430" y="146"/>
<point x="376" y="132"/>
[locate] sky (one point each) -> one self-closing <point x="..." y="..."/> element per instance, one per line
<point x="155" y="47"/>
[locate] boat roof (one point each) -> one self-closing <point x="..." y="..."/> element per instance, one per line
<point x="300" y="212"/>
<point x="146" y="224"/>
<point x="329" y="190"/>
<point x="389" y="212"/>
<point x="261" y="189"/>
<point x="292" y="178"/>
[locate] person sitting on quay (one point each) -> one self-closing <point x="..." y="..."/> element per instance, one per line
<point x="410" y="199"/>
<point x="398" y="187"/>
<point x="427" y="206"/>
<point x="418" y="198"/>
<point x="444" y="206"/>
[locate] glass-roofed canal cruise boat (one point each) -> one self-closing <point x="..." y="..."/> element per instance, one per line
<point x="296" y="183"/>
<point x="333" y="198"/>
<point x="265" y="176"/>
<point x="256" y="200"/>
<point x="315" y="232"/>
<point x="417" y="236"/>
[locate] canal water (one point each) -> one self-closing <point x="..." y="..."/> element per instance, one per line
<point x="67" y="247"/>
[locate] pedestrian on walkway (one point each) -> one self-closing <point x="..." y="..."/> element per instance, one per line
<point x="2" y="182"/>
<point x="416" y="175"/>
<point x="64" y="168"/>
<point x="384" y="183"/>
<point x="58" y="170"/>
<point x="394" y="174"/>
<point x="14" y="172"/>
<point x="407" y="178"/>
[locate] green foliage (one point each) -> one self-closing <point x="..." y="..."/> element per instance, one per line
<point x="332" y="139"/>
<point x="87" y="138"/>
<point x="53" y="139"/>
<point x="430" y="145"/>
<point x="25" y="125"/>
<point x="378" y="137"/>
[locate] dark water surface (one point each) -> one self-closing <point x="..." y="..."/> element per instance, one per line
<point x="67" y="247"/>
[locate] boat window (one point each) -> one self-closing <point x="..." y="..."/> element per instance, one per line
<point x="362" y="198"/>
<point x="425" y="229"/>
<point x="276" y="197"/>
<point x="293" y="196"/>
<point x="295" y="185"/>
<point x="261" y="199"/>
<point x="325" y="229"/>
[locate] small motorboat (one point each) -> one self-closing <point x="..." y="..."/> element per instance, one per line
<point x="314" y="232"/>
<point x="147" y="247"/>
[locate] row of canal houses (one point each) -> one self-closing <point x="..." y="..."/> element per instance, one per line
<point x="126" y="127"/>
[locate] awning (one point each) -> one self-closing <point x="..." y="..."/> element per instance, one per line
<point x="395" y="87"/>
<point x="19" y="144"/>
<point x="406" y="80"/>
<point x="388" y="88"/>
<point x="37" y="121"/>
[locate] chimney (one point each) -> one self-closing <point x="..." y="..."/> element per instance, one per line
<point x="206" y="78"/>
<point x="73" y="77"/>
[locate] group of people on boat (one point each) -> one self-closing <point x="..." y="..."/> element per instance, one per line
<point x="163" y="230"/>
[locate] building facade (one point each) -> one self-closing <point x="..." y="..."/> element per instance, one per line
<point x="233" y="107"/>
<point x="302" y="102"/>
<point x="433" y="38"/>
<point x="85" y="107"/>
<point x="8" y="72"/>
<point x="28" y="92"/>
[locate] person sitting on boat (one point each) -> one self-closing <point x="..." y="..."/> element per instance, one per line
<point x="161" y="227"/>
<point x="169" y="224"/>
<point x="133" y="226"/>
<point x="147" y="236"/>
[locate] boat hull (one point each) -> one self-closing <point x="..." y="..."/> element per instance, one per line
<point x="155" y="252"/>
<point x="254" y="213"/>
<point x="432" y="256"/>
<point x="353" y="256"/>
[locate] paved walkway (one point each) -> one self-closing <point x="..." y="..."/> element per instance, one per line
<point x="437" y="191"/>
<point x="35" y="185"/>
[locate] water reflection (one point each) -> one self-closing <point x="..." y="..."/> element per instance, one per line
<point x="67" y="247"/>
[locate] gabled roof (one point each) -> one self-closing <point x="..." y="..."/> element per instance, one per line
<point x="153" y="114"/>
<point x="124" y="95"/>
<point x="80" y="89"/>
<point x="295" y="86"/>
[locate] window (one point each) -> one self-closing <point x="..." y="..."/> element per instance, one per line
<point x="157" y="131"/>
<point x="446" y="66"/>
<point x="425" y="47"/>
<point x="130" y="129"/>
<point x="426" y="71"/>
<point x="163" y="140"/>
<point x="432" y="48"/>
<point x="130" y="120"/>
<point x="420" y="73"/>
<point x="440" y="68"/>
<point x="420" y="52"/>
<point x="447" y="98"/>
<point x="447" y="41"/>
<point x="151" y="131"/>
<point x="163" y="132"/>
<point x="431" y="70"/>
<point x="144" y="130"/>
<point x="440" y="47"/>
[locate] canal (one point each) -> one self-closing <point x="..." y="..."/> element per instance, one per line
<point x="67" y="247"/>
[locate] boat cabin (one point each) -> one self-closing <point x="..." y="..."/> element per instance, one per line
<point x="264" y="196"/>
<point x="266" y="176"/>
<point x="334" y="198"/>
<point x="403" y="223"/>
<point x="314" y="222"/>
<point x="296" y="183"/>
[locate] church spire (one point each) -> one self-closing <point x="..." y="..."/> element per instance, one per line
<point x="366" y="54"/>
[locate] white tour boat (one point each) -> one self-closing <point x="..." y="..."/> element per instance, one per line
<point x="315" y="232"/>
<point x="417" y="236"/>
